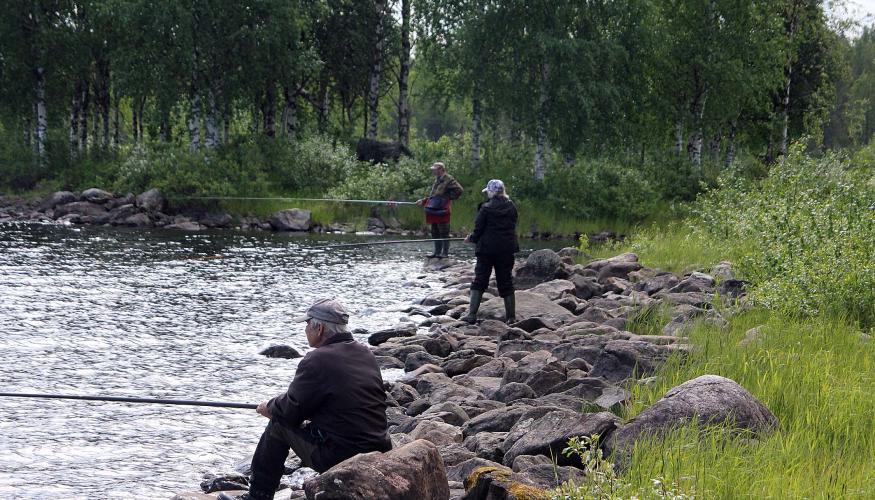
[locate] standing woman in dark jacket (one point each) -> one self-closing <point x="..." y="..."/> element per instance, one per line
<point x="495" y="236"/>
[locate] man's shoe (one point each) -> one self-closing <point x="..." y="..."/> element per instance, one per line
<point x="432" y="256"/>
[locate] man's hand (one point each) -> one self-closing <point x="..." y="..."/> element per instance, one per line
<point x="467" y="239"/>
<point x="420" y="202"/>
<point x="262" y="410"/>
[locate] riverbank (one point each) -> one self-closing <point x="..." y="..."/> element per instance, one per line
<point x="152" y="209"/>
<point x="494" y="405"/>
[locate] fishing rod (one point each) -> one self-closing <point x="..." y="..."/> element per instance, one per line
<point x="335" y="200"/>
<point x="388" y="242"/>
<point x="218" y="404"/>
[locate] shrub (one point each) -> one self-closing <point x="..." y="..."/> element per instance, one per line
<point x="803" y="235"/>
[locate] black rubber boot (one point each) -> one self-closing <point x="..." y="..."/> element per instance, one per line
<point x="437" y="251"/>
<point x="476" y="297"/>
<point x="510" y="309"/>
<point x="445" y="249"/>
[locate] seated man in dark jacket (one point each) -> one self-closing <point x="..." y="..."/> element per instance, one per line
<point x="335" y="406"/>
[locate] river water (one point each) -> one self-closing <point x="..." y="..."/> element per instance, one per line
<point x="163" y="314"/>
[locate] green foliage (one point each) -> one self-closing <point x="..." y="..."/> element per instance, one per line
<point x="803" y="235"/>
<point x="183" y="175"/>
<point x="405" y="180"/>
<point x="603" y="482"/>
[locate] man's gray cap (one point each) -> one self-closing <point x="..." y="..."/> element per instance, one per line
<point x="326" y="310"/>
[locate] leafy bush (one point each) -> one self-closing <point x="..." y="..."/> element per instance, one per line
<point x="404" y="180"/>
<point x="312" y="164"/>
<point x="181" y="174"/>
<point x="803" y="235"/>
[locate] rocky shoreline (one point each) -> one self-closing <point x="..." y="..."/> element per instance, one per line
<point x="151" y="210"/>
<point x="484" y="411"/>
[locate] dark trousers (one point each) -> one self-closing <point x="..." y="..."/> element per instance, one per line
<point x="268" y="462"/>
<point x="503" y="265"/>
<point x="441" y="230"/>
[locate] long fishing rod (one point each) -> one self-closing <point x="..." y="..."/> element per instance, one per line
<point x="334" y="200"/>
<point x="388" y="242"/>
<point x="219" y="404"/>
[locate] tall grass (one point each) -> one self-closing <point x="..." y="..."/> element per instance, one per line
<point x="817" y="377"/>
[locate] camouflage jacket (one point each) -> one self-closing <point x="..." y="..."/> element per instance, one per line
<point x="447" y="187"/>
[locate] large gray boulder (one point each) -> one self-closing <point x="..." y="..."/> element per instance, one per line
<point x="58" y="198"/>
<point x="623" y="359"/>
<point x="95" y="195"/>
<point x="554" y="289"/>
<point x="709" y="399"/>
<point x="82" y="208"/>
<point x="152" y="201"/>
<point x="292" y="219"/>
<point x="549" y="434"/>
<point x="414" y="471"/>
<point x="540" y="266"/>
<point x="528" y="305"/>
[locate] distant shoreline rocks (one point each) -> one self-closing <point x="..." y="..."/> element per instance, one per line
<point x="151" y="209"/>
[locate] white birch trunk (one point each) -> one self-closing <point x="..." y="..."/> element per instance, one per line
<point x="376" y="68"/>
<point x="104" y="103"/>
<point x="696" y="139"/>
<point x="194" y="119"/>
<point x="41" y="116"/>
<point x="324" y="110"/>
<point x="269" y="111"/>
<point x="74" y="118"/>
<point x="115" y="124"/>
<point x="403" y="74"/>
<point x="290" y="114"/>
<point x="679" y="138"/>
<point x="476" y="122"/>
<point x="785" y="111"/>
<point x="730" y="147"/>
<point x="83" y="117"/>
<point x="211" y="130"/>
<point x="543" y="103"/>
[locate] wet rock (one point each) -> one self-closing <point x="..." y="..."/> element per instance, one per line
<point x="453" y="413"/>
<point x="403" y="393"/>
<point x="152" y="200"/>
<point x="543" y="381"/>
<point x="710" y="399"/>
<point x="212" y="483"/>
<point x="281" y="351"/>
<point x="414" y="471"/>
<point x="464" y="361"/>
<point x="487" y="445"/>
<point x="540" y="266"/>
<point x="418" y="359"/>
<point x="549" y="434"/>
<point x="387" y="362"/>
<point x="80" y="208"/>
<point x="439" y="433"/>
<point x="399" y="330"/>
<point x="58" y="198"/>
<point x="533" y="363"/>
<point x="440" y="347"/>
<point x="215" y="220"/>
<point x="95" y="195"/>
<point x="185" y="226"/>
<point x="292" y="219"/>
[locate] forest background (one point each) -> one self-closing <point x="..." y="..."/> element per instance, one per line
<point x="707" y="130"/>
